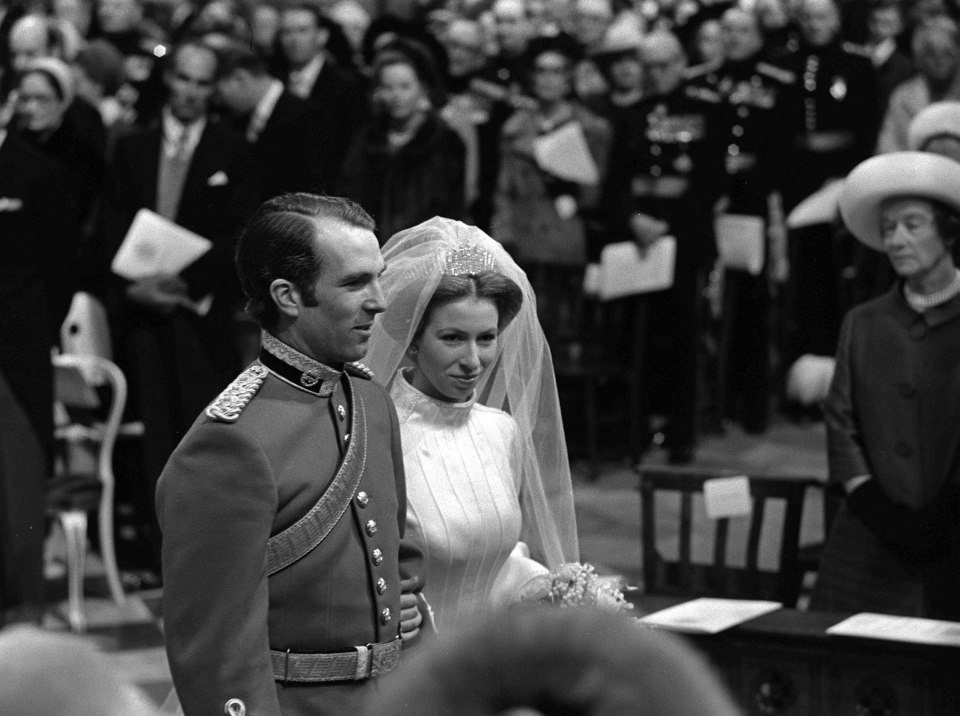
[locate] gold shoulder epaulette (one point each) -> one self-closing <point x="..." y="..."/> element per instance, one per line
<point x="231" y="402"/>
<point x="358" y="369"/>
<point x="778" y="73"/>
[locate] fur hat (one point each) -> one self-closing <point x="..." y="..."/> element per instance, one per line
<point x="899" y="174"/>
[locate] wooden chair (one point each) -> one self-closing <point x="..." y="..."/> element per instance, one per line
<point x="717" y="576"/>
<point x="83" y="480"/>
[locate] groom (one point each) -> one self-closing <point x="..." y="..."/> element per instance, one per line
<point x="283" y="507"/>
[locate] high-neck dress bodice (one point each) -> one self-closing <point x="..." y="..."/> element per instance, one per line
<point x="463" y="508"/>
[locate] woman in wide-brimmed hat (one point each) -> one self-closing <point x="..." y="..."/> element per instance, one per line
<point x="894" y="402"/>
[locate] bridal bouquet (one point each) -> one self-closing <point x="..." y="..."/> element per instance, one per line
<point x="577" y="585"/>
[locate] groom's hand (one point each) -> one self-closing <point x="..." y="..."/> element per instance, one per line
<point x="410" y="617"/>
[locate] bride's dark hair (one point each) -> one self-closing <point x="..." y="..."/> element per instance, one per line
<point x="491" y="285"/>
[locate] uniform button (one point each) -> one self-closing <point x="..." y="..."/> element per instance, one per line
<point x="235" y="707"/>
<point x="906" y="390"/>
<point x="733" y="150"/>
<point x="377" y="556"/>
<point x="363" y="499"/>
<point x="371" y="528"/>
<point x="655" y="150"/>
<point x="903" y="450"/>
<point x="346" y="437"/>
<point x="385" y="615"/>
<point x="341" y="413"/>
<point x="655" y="171"/>
<point x="737" y="130"/>
<point x="381" y="585"/>
<point x="743" y="111"/>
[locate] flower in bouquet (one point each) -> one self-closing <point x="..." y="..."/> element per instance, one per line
<point x="577" y="585"/>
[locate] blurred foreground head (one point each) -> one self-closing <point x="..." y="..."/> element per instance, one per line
<point x="44" y="673"/>
<point x="533" y="660"/>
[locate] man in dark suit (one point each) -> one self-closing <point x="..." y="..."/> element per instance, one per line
<point x="280" y="128"/>
<point x="339" y="94"/>
<point x="38" y="221"/>
<point x="288" y="588"/>
<point x="176" y="351"/>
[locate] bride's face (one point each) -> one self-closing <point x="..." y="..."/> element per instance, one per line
<point x="455" y="349"/>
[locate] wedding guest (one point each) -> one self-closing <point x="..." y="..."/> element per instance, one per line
<point x="407" y="164"/>
<point x="893" y="404"/>
<point x="490" y="501"/>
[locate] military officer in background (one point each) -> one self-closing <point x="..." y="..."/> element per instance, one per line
<point x="834" y="122"/>
<point x="283" y="507"/>
<point x="754" y="96"/>
<point x="664" y="180"/>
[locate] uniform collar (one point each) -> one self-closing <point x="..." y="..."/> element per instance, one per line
<point x="300" y="370"/>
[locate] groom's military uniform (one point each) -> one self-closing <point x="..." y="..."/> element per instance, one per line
<point x="282" y="513"/>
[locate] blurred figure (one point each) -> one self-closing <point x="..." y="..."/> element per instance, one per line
<point x="512" y="33"/>
<point x="548" y="661"/>
<point x="891" y="64"/>
<point x="754" y="97"/>
<point x="895" y="543"/>
<point x="32" y="37"/>
<point x="354" y="20"/>
<point x="541" y="216"/>
<point x="43" y="673"/>
<point x="590" y="21"/>
<point x="46" y="90"/>
<point x="833" y="122"/>
<point x="618" y="59"/>
<point x="708" y="43"/>
<point x="337" y="93"/>
<point x="666" y="175"/>
<point x="936" y="53"/>
<point x="406" y="165"/>
<point x="280" y="129"/>
<point x="175" y="334"/>
<point x="123" y="25"/>
<point x="264" y="22"/>
<point x="98" y="68"/>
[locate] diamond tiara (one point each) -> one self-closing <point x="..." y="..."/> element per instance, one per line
<point x="468" y="260"/>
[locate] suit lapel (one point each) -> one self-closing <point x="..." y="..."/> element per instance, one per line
<point x="148" y="166"/>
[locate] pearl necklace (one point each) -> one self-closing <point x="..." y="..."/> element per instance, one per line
<point x="921" y="302"/>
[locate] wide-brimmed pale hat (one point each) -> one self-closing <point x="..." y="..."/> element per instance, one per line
<point x="898" y="174"/>
<point x="935" y="120"/>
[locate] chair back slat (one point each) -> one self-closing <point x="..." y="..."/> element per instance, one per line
<point x="719" y="577"/>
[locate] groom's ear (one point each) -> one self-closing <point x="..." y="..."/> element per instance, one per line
<point x="286" y="296"/>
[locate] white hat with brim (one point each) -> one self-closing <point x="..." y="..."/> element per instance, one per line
<point x="899" y="174"/>
<point x="935" y="120"/>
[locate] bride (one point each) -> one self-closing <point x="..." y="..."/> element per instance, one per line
<point x="489" y="496"/>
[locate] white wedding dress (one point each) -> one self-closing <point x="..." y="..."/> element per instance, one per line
<point x="463" y="506"/>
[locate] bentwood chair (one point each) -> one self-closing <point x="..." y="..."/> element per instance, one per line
<point x="716" y="574"/>
<point x="88" y="423"/>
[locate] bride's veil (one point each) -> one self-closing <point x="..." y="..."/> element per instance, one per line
<point x="521" y="382"/>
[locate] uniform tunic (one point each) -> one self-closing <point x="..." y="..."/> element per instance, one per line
<point x="892" y="413"/>
<point x="463" y="509"/>
<point x="228" y="487"/>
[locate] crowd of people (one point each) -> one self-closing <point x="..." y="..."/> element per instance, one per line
<point x="313" y="145"/>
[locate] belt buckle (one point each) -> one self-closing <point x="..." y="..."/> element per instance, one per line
<point x="385" y="658"/>
<point x="365" y="661"/>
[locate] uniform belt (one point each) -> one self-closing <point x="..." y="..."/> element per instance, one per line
<point x="826" y="141"/>
<point x="364" y="662"/>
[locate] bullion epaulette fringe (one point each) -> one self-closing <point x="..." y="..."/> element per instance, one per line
<point x="778" y="73"/>
<point x="358" y="369"/>
<point x="235" y="397"/>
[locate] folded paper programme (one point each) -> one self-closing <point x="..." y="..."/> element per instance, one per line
<point x="154" y="245"/>
<point x="741" y="242"/>
<point x="708" y="615"/>
<point x="894" y="628"/>
<point x="624" y="271"/>
<point x="565" y="154"/>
